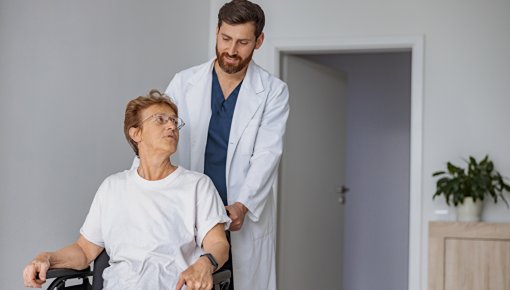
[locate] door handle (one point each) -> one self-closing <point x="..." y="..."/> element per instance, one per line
<point x="342" y="190"/>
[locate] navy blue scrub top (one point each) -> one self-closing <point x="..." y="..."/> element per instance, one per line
<point x="222" y="111"/>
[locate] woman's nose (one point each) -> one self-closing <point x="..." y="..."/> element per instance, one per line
<point x="171" y="126"/>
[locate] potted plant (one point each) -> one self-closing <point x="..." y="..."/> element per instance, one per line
<point x="468" y="188"/>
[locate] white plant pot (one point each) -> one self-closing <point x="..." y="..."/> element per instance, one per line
<point x="469" y="211"/>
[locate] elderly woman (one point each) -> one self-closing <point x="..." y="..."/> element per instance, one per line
<point x="162" y="225"/>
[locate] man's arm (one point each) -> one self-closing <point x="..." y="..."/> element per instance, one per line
<point x="199" y="275"/>
<point x="76" y="256"/>
<point x="266" y="156"/>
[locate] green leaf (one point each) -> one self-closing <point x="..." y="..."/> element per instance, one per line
<point x="504" y="199"/>
<point x="452" y="168"/>
<point x="438" y="173"/>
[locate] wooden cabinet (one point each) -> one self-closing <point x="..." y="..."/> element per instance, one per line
<point x="469" y="256"/>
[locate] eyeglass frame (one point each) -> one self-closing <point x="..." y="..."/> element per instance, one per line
<point x="168" y="118"/>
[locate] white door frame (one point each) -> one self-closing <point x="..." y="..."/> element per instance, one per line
<point x="276" y="47"/>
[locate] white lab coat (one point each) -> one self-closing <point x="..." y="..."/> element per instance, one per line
<point x="253" y="154"/>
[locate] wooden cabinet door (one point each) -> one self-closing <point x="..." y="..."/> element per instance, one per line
<point x="469" y="256"/>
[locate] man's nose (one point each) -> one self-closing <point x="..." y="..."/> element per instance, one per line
<point x="232" y="49"/>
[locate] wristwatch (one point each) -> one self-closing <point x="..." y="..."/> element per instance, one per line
<point x="212" y="260"/>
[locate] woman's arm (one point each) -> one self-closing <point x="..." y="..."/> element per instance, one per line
<point x="215" y="243"/>
<point x="76" y="256"/>
<point x="199" y="275"/>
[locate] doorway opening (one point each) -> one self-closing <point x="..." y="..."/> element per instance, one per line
<point x="375" y="112"/>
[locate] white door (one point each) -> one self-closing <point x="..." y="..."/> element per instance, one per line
<point x="310" y="212"/>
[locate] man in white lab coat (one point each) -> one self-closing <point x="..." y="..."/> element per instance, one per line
<point x="236" y="114"/>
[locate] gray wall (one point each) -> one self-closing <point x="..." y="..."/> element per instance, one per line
<point x="67" y="70"/>
<point x="377" y="168"/>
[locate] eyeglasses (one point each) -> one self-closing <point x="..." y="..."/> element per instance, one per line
<point x="162" y="119"/>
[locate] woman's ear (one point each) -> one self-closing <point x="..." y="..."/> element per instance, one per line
<point x="135" y="134"/>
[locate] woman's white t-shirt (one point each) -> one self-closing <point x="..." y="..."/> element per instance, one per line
<point x="152" y="230"/>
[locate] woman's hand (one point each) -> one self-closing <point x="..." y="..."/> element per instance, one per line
<point x="198" y="276"/>
<point x="75" y="256"/>
<point x="34" y="274"/>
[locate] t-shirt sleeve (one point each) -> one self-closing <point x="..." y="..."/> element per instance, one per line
<point x="210" y="210"/>
<point x="91" y="228"/>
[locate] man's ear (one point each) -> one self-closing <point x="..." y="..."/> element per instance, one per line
<point x="259" y="41"/>
<point x="135" y="134"/>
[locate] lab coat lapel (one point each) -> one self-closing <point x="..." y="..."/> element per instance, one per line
<point x="199" y="104"/>
<point x="248" y="101"/>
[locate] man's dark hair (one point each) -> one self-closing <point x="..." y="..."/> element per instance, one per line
<point x="240" y="12"/>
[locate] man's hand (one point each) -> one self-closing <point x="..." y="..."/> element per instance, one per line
<point x="237" y="212"/>
<point x="198" y="276"/>
<point x="39" y="266"/>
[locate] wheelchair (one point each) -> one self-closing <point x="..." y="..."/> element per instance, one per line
<point x="221" y="280"/>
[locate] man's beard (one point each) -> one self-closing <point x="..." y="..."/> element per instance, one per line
<point x="232" y="69"/>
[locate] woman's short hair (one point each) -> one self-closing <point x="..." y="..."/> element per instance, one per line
<point x="241" y="12"/>
<point x="136" y="106"/>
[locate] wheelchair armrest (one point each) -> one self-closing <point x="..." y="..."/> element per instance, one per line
<point x="68" y="273"/>
<point x="221" y="277"/>
<point x="61" y="275"/>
